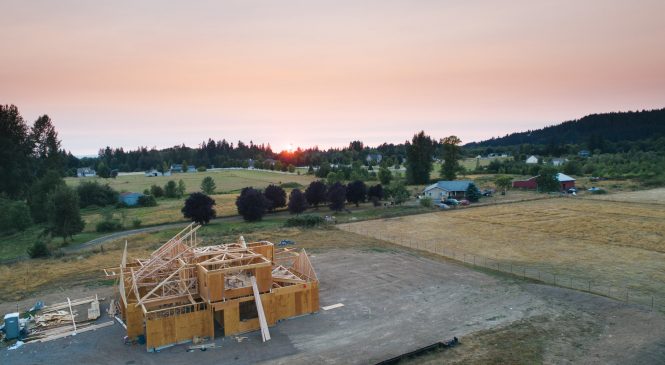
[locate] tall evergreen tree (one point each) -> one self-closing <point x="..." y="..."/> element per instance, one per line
<point x="46" y="146"/>
<point x="451" y="156"/>
<point x="419" y="158"/>
<point x="15" y="153"/>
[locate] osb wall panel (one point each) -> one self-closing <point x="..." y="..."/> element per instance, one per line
<point x="178" y="328"/>
<point x="231" y="318"/>
<point x="203" y="283"/>
<point x="263" y="278"/>
<point x="134" y="320"/>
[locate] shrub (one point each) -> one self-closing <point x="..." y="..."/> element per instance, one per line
<point x="208" y="185"/>
<point x="599" y="192"/>
<point x="93" y="193"/>
<point x="305" y="220"/>
<point x="136" y="223"/>
<point x="291" y="185"/>
<point x="39" y="249"/>
<point x="201" y="169"/>
<point x="426" y="202"/>
<point x="147" y="201"/>
<point x="108" y="226"/>
<point x="356" y="192"/>
<point x="171" y="189"/>
<point x="316" y="193"/>
<point x="472" y="193"/>
<point x="156" y="191"/>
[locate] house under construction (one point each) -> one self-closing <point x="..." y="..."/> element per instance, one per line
<point x="178" y="292"/>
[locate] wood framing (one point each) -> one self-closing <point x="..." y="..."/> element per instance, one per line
<point x="183" y="290"/>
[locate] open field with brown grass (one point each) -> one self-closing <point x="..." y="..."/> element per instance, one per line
<point x="653" y="196"/>
<point x="617" y="244"/>
<point x="225" y="180"/>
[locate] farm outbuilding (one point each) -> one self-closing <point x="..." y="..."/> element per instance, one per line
<point x="183" y="290"/>
<point x="566" y="182"/>
<point x="130" y="199"/>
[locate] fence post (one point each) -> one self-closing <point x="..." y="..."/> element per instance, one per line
<point x="626" y="294"/>
<point x="652" y="302"/>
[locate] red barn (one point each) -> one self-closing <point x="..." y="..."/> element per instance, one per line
<point x="566" y="182"/>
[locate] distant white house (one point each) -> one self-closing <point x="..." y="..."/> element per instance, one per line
<point x="559" y="161"/>
<point x="447" y="189"/>
<point x="85" y="172"/>
<point x="532" y="159"/>
<point x="374" y="158"/>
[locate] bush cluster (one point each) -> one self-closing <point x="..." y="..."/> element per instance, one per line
<point x="305" y="220"/>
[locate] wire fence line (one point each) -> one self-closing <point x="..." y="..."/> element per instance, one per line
<point x="620" y="292"/>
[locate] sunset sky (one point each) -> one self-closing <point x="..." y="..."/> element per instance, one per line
<point x="160" y="73"/>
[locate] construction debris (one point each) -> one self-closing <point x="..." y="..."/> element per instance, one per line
<point x="329" y="307"/>
<point x="178" y="292"/>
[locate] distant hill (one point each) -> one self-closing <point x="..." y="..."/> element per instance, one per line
<point x="621" y="126"/>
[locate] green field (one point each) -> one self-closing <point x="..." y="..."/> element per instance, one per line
<point x="226" y="180"/>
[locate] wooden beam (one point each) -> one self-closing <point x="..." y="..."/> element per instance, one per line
<point x="265" y="333"/>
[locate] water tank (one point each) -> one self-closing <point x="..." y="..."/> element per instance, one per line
<point x="11" y="326"/>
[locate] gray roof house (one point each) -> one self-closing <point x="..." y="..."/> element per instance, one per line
<point x="447" y="189"/>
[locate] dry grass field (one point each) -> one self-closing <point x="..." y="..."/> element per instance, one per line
<point x="620" y="244"/>
<point x="226" y="180"/>
<point x="167" y="211"/>
<point x="653" y="196"/>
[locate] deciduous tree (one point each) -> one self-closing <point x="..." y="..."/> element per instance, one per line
<point x="356" y="192"/>
<point x="297" y="202"/>
<point x="316" y="193"/>
<point x="337" y="197"/>
<point x="276" y="197"/>
<point x="199" y="208"/>
<point x="251" y="204"/>
<point x="64" y="215"/>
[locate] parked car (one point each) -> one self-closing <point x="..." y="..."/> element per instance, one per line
<point x="464" y="202"/>
<point x="451" y="201"/>
<point x="443" y="206"/>
<point x="488" y="192"/>
<point x="572" y="190"/>
<point x="593" y="188"/>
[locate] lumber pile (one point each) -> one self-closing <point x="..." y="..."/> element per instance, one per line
<point x="62" y="319"/>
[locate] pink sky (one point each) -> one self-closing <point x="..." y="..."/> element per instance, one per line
<point x="158" y="73"/>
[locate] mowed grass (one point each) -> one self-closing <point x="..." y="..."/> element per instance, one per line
<point x="621" y="244"/>
<point x="225" y="180"/>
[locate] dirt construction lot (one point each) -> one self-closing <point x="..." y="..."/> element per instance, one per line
<point x="611" y="245"/>
<point x="396" y="301"/>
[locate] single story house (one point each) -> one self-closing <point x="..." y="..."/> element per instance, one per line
<point x="566" y="182"/>
<point x="584" y="153"/>
<point x="130" y="199"/>
<point x="85" y="172"/>
<point x="532" y="159"/>
<point x="176" y="167"/>
<point x="447" y="189"/>
<point x="152" y="173"/>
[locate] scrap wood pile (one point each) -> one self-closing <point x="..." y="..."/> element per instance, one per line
<point x="63" y="319"/>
